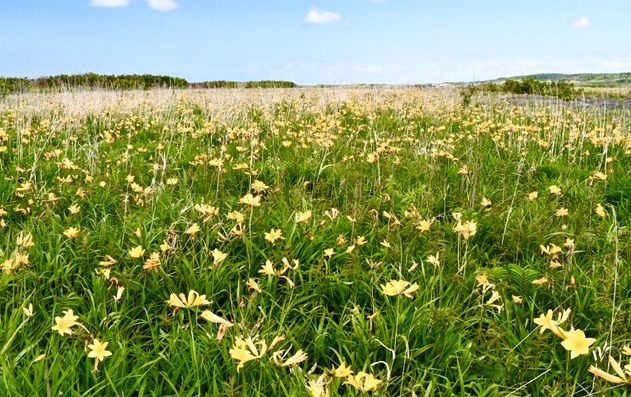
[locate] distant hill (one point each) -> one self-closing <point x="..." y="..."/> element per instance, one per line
<point x="580" y="79"/>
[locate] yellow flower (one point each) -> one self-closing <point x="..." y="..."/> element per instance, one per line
<point x="273" y="235"/>
<point x="554" y="189"/>
<point x="297" y="358"/>
<point x="71" y="232"/>
<point x="252" y="201"/>
<point x="207" y="211"/>
<point x="252" y="284"/>
<point x="561" y="212"/>
<point x="268" y="268"/>
<point x="623" y="376"/>
<point x="213" y="318"/>
<point x="107" y="261"/>
<point x="485" y="202"/>
<point x="533" y="196"/>
<point x="247" y="350"/>
<point x="342" y="371"/>
<point x="433" y="260"/>
<point x="317" y="387"/>
<point x="137" y="252"/>
<point x="576" y="342"/>
<point x="600" y="211"/>
<point x="74" y="209"/>
<point x="98" y="350"/>
<point x="303" y="217"/>
<point x="547" y="322"/>
<point x="399" y="287"/>
<point x="192" y="230"/>
<point x="25" y="241"/>
<point x="28" y="310"/>
<point x="218" y="256"/>
<point x="181" y="301"/>
<point x="363" y="381"/>
<point x="152" y="262"/>
<point x="259" y="186"/>
<point x="64" y="324"/>
<point x="165" y="246"/>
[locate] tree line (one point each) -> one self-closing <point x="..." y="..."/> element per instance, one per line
<point x="122" y="82"/>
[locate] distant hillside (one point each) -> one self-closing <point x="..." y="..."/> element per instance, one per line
<point x="580" y="79"/>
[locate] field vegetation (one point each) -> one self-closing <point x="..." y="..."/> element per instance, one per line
<point x="312" y="241"/>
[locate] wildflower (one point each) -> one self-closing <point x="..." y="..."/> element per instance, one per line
<point x="172" y="181"/>
<point x="399" y="287"/>
<point x="485" y="202"/>
<point x="252" y="284"/>
<point x="213" y="318"/>
<point x="71" y="232"/>
<point x="252" y="201"/>
<point x="273" y="235"/>
<point x="342" y="371"/>
<point x="533" y="196"/>
<point x="297" y="358"/>
<point x="576" y="342"/>
<point x="329" y="252"/>
<point x="25" y="241"/>
<point x="107" y="261"/>
<point x="192" y="230"/>
<point x="182" y="301"/>
<point x="28" y="310"/>
<point x="207" y="211"/>
<point x="64" y="324"/>
<point x="165" y="246"/>
<point x="245" y="350"/>
<point x="259" y="187"/>
<point x="317" y="387"/>
<point x="433" y="260"/>
<point x="554" y="189"/>
<point x="363" y="381"/>
<point x="466" y="230"/>
<point x="152" y="262"/>
<point x="540" y="281"/>
<point x="303" y="217"/>
<point x="600" y="211"/>
<point x="561" y="212"/>
<point x="218" y="256"/>
<point x="622" y="376"/>
<point x="98" y="351"/>
<point x="268" y="268"/>
<point x="137" y="252"/>
<point x="235" y="216"/>
<point x="74" y="209"/>
<point x="547" y="322"/>
<point x="517" y="299"/>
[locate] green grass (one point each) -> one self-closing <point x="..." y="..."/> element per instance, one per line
<point x="383" y="159"/>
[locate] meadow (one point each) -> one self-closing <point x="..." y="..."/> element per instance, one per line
<point x="313" y="241"/>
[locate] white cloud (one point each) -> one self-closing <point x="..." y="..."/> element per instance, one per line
<point x="109" y="3"/>
<point x="581" y="23"/>
<point x="615" y="65"/>
<point x="316" y="16"/>
<point x="163" y="5"/>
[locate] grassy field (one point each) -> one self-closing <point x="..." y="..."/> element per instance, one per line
<point x="314" y="241"/>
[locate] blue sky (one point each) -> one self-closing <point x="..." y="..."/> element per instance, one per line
<point x="317" y="41"/>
